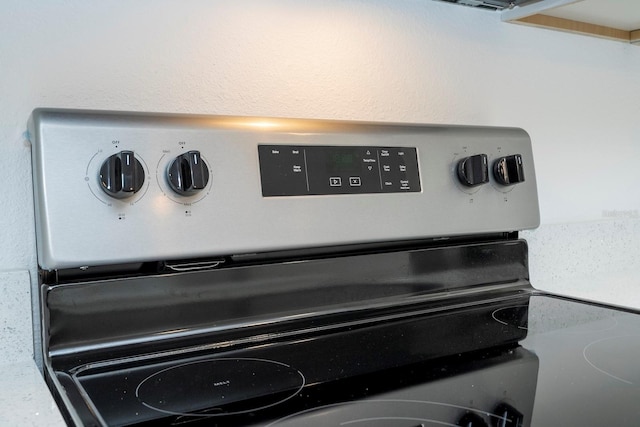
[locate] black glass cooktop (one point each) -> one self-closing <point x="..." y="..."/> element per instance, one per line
<point x="524" y="360"/>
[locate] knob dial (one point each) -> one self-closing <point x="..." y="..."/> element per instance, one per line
<point x="121" y="175"/>
<point x="507" y="415"/>
<point x="188" y="173"/>
<point x="508" y="170"/>
<point x="471" y="419"/>
<point x="473" y="170"/>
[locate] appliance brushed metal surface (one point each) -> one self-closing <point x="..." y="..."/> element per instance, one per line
<point x="79" y="225"/>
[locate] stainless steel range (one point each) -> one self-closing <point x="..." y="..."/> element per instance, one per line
<point x="233" y="271"/>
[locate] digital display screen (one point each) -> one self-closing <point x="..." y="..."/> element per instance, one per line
<point x="341" y="161"/>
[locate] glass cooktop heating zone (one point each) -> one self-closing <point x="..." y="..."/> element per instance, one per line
<point x="557" y="360"/>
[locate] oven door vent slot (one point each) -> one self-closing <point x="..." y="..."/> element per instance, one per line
<point x="185" y="266"/>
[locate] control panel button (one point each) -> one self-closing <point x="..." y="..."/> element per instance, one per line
<point x="508" y="170"/>
<point x="188" y="173"/>
<point x="473" y="170"/>
<point x="121" y="175"/>
<point x="287" y="170"/>
<point x="399" y="170"/>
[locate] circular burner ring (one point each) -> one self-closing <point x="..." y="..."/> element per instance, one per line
<point x="218" y="383"/>
<point x="387" y="417"/>
<point x="512" y="316"/>
<point x="603" y="354"/>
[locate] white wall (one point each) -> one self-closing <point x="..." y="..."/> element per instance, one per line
<point x="383" y="60"/>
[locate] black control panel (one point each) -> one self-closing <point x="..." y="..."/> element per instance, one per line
<point x="289" y="170"/>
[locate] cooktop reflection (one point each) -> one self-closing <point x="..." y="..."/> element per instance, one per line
<point x="522" y="361"/>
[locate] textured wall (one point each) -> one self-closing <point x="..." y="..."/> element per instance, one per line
<point x="15" y="318"/>
<point x="390" y="60"/>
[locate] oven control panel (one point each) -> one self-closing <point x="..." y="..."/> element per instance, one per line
<point x="148" y="187"/>
<point x="288" y="170"/>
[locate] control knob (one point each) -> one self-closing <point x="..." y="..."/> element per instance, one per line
<point x="507" y="416"/>
<point x="188" y="173"/>
<point x="121" y="175"/>
<point x="471" y="419"/>
<point x="508" y="170"/>
<point x="473" y="170"/>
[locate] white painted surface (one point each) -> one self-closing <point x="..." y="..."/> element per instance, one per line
<point x="383" y="60"/>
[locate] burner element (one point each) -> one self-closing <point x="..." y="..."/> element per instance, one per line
<point x="528" y="317"/>
<point x="616" y="357"/>
<point x="220" y="387"/>
<point x="396" y="413"/>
